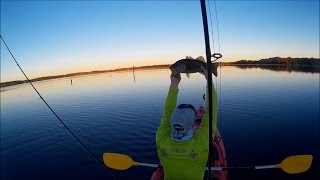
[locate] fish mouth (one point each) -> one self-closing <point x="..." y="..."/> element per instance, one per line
<point x="174" y="70"/>
<point x="177" y="68"/>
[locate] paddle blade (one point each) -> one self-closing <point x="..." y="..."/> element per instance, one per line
<point x="117" y="161"/>
<point x="296" y="164"/>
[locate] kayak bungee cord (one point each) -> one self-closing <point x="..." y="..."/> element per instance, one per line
<point x="64" y="125"/>
<point x="209" y="80"/>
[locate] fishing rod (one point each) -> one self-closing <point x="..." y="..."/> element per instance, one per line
<point x="64" y="125"/>
<point x="209" y="80"/>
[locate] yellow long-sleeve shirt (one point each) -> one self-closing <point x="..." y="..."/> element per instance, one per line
<point x="184" y="160"/>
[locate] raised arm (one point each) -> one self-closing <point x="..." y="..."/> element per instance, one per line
<point x="203" y="132"/>
<point x="170" y="104"/>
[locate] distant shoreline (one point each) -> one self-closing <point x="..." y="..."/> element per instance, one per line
<point x="12" y="83"/>
<point x="284" y="64"/>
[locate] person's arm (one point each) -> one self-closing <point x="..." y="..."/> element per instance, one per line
<point x="203" y="132"/>
<point x="170" y="104"/>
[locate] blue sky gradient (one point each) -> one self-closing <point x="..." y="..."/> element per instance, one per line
<point x="51" y="38"/>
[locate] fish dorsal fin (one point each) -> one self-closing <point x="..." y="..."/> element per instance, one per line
<point x="200" y="58"/>
<point x="188" y="75"/>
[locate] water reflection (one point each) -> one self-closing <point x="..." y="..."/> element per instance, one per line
<point x="305" y="69"/>
<point x="263" y="117"/>
<point x="134" y="76"/>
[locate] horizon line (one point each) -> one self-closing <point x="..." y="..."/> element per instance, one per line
<point x="122" y="69"/>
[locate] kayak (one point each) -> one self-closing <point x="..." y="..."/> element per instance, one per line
<point x="219" y="158"/>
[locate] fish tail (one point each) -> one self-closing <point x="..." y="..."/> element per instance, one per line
<point x="215" y="69"/>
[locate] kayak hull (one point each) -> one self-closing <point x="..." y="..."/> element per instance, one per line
<point x="219" y="157"/>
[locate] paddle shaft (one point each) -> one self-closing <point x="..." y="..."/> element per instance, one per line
<point x="216" y="168"/>
<point x="265" y="167"/>
<point x="147" y="164"/>
<point x="245" y="167"/>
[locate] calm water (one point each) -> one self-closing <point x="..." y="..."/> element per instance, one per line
<point x="264" y="116"/>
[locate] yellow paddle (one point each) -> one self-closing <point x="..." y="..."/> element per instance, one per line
<point x="292" y="164"/>
<point x="122" y="161"/>
<point x="295" y="164"/>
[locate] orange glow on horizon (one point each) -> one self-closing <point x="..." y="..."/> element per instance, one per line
<point x="109" y="65"/>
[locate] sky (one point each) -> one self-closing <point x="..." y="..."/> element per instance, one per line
<point x="59" y="37"/>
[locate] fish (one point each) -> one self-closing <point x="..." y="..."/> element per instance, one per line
<point x="189" y="66"/>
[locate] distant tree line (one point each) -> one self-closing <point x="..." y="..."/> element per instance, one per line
<point x="277" y="67"/>
<point x="289" y="62"/>
<point x="280" y="61"/>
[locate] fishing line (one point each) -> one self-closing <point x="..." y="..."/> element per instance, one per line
<point x="64" y="125"/>
<point x="212" y="36"/>
<point x="217" y="22"/>
<point x="220" y="67"/>
<point x="211" y="28"/>
<point x="215" y="5"/>
<point x="220" y="108"/>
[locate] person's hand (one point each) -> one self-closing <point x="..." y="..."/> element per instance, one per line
<point x="204" y="72"/>
<point x="175" y="79"/>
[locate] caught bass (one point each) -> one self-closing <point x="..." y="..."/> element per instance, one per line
<point x="189" y="66"/>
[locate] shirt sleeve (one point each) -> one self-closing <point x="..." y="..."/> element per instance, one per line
<point x="169" y="106"/>
<point x="203" y="132"/>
